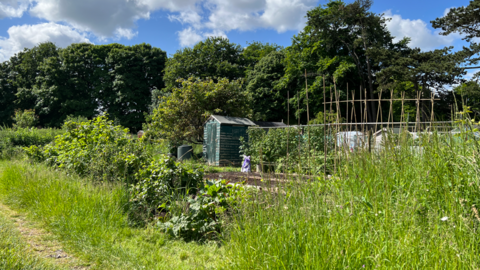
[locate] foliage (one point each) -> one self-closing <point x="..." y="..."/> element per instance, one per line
<point x="203" y="218"/>
<point x="181" y="115"/>
<point x="161" y="181"/>
<point x="406" y="203"/>
<point x="290" y="149"/>
<point x="268" y="103"/>
<point x="96" y="148"/>
<point x="82" y="79"/>
<point x="25" y="119"/>
<point x="91" y="221"/>
<point x="461" y="20"/>
<point x="216" y="57"/>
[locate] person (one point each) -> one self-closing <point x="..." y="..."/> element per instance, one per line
<point x="246" y="164"/>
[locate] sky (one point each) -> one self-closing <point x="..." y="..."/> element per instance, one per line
<point x="174" y="24"/>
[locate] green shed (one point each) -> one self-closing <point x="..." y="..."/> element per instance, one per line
<point x="221" y="139"/>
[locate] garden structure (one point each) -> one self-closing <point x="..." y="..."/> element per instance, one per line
<point x="221" y="140"/>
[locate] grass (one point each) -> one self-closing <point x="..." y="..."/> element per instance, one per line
<point x="15" y="252"/>
<point x="90" y="222"/>
<point x="392" y="209"/>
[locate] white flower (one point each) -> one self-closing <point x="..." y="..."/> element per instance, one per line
<point x="444" y="219"/>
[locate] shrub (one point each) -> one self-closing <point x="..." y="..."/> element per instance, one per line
<point x="25" y="119"/>
<point x="161" y="181"/>
<point x="95" y="148"/>
<point x="203" y="218"/>
<point x="288" y="147"/>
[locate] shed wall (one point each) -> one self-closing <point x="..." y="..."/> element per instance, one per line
<point x="230" y="144"/>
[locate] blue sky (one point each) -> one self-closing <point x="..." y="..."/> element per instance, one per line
<point x="173" y="24"/>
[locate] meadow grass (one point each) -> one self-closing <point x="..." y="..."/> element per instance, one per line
<point x="397" y="208"/>
<point x="90" y="221"/>
<point x="14" y="251"/>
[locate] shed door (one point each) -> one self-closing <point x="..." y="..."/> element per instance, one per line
<point x="212" y="142"/>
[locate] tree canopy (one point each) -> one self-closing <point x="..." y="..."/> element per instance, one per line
<point x="181" y="115"/>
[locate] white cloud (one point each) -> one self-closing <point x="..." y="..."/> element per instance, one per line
<point x="13" y="8"/>
<point x="103" y="18"/>
<point x="188" y="37"/>
<point x="187" y="17"/>
<point x="280" y="15"/>
<point x="125" y="33"/>
<point x="28" y="36"/>
<point x="201" y="18"/>
<point x="418" y="31"/>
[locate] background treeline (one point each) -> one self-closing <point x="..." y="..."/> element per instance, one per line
<point x="346" y="43"/>
<point x="81" y="80"/>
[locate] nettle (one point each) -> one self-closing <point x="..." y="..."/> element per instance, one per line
<point x="203" y="219"/>
<point x="163" y="181"/>
<point x="96" y="148"/>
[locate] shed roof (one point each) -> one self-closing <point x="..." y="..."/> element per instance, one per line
<point x="227" y="120"/>
<point x="270" y="124"/>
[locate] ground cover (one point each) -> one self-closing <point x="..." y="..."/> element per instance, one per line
<point x="89" y="221"/>
<point x="398" y="208"/>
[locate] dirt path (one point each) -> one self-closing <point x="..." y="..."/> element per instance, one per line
<point x="42" y="243"/>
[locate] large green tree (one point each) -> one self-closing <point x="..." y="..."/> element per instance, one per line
<point x="216" y="57"/>
<point x="7" y="95"/>
<point x="86" y="79"/>
<point x="181" y="115"/>
<point x="335" y="43"/>
<point x="268" y="101"/>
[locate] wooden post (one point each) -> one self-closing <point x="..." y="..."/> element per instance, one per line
<point x="324" y="133"/>
<point x="308" y="121"/>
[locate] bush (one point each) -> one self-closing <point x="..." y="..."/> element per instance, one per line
<point x="288" y="147"/>
<point x="203" y="218"/>
<point x="12" y="141"/>
<point x="95" y="148"/>
<point x="160" y="183"/>
<point x="25" y="119"/>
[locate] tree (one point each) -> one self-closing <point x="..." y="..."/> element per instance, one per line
<point x="424" y="70"/>
<point x="462" y="20"/>
<point x="213" y="58"/>
<point x="69" y="83"/>
<point x="135" y="72"/>
<point x="268" y="102"/>
<point x="181" y="115"/>
<point x="85" y="79"/>
<point x="255" y="51"/>
<point x="352" y="30"/>
<point x="335" y="42"/>
<point x="7" y="95"/>
<point x="25" y="68"/>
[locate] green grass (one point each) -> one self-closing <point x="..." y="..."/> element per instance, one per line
<point x="14" y="251"/>
<point x="381" y="210"/>
<point x="90" y="222"/>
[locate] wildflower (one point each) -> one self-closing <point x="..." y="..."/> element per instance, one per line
<point x="444" y="219"/>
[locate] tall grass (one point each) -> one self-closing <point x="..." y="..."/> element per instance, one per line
<point x="91" y="222"/>
<point x="402" y="207"/>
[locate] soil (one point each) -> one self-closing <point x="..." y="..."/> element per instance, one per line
<point x="257" y="179"/>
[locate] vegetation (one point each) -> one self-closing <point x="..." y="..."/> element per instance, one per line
<point x="394" y="208"/>
<point x="90" y="220"/>
<point x="117" y="201"/>
<point x="183" y="113"/>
